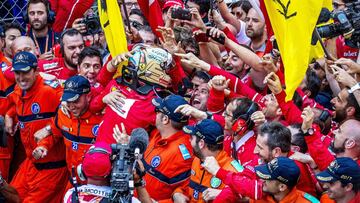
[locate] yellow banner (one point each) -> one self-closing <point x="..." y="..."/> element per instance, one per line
<point x="293" y="22"/>
<point x="112" y="23"/>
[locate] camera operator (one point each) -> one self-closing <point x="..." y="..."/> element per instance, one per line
<point x="96" y="166"/>
<point x="93" y="35"/>
<point x="337" y="46"/>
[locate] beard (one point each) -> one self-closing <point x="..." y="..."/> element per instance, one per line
<point x="197" y="152"/>
<point x="340" y="116"/>
<point x="41" y="25"/>
<point x="337" y="150"/>
<point x="70" y="62"/>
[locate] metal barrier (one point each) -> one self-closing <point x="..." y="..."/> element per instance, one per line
<point x="12" y="11"/>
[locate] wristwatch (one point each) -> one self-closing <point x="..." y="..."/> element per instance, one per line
<point x="141" y="183"/>
<point x="310" y="131"/>
<point x="354" y="88"/>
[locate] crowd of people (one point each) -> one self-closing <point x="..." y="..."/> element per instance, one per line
<point x="208" y="93"/>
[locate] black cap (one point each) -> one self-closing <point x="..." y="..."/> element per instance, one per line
<point x="209" y="130"/>
<point x="74" y="87"/>
<point x="344" y="169"/>
<point x="282" y="169"/>
<point x="24" y="61"/>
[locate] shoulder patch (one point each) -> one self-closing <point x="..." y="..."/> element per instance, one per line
<point x="311" y="198"/>
<point x="52" y="83"/>
<point x="184" y="152"/>
<point x="237" y="166"/>
<point x="155" y="161"/>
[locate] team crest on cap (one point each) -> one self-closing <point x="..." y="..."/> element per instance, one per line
<point x="95" y="130"/>
<point x="215" y="182"/>
<point x="155" y="161"/>
<point x="35" y="108"/>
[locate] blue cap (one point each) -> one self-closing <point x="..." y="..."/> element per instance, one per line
<point x="282" y="169"/>
<point x="74" y="87"/>
<point x="168" y="106"/>
<point x="209" y="130"/>
<point x="24" y="61"/>
<point x="344" y="169"/>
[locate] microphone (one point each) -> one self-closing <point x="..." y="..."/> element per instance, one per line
<point x="324" y="16"/>
<point x="139" y="140"/>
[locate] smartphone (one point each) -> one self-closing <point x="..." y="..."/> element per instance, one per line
<point x="220" y="39"/>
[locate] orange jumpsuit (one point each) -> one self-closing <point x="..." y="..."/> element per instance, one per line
<point x="168" y="164"/>
<point x="39" y="180"/>
<point x="6" y="88"/>
<point x="78" y="133"/>
<point x="201" y="180"/>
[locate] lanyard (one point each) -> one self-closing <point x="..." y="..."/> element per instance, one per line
<point x="46" y="43"/>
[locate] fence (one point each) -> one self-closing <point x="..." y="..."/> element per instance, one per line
<point x="13" y="10"/>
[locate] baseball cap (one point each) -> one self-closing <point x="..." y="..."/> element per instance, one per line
<point x="168" y="106"/>
<point x="74" y="87"/>
<point x="282" y="169"/>
<point x="171" y="3"/>
<point x="207" y="129"/>
<point x="344" y="169"/>
<point x="24" y="61"/>
<point x="97" y="162"/>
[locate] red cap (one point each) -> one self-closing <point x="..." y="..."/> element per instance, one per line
<point x="97" y="160"/>
<point x="171" y="3"/>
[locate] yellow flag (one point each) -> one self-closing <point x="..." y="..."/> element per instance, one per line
<point x="113" y="26"/>
<point x="293" y="22"/>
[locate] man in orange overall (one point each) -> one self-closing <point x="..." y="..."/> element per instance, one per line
<point x="42" y="176"/>
<point x="168" y="157"/>
<point x="80" y="129"/>
<point x="207" y="138"/>
<point x="6" y="88"/>
<point x="341" y="180"/>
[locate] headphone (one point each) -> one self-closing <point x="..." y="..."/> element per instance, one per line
<point x="79" y="169"/>
<point x="71" y="32"/>
<point x="50" y="13"/>
<point x="244" y="122"/>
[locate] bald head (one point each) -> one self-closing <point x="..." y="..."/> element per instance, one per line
<point x="352" y="129"/>
<point x="349" y="135"/>
<point x="23" y="43"/>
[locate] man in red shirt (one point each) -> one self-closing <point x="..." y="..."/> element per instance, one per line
<point x="71" y="44"/>
<point x="274" y="140"/>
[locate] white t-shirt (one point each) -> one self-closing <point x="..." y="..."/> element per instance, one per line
<point x="92" y="194"/>
<point x="241" y="35"/>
